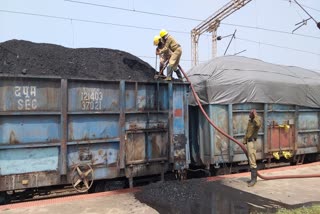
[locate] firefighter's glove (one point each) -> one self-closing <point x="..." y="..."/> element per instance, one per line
<point x="244" y="141"/>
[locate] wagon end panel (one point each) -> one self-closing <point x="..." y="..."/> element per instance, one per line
<point x="30" y="132"/>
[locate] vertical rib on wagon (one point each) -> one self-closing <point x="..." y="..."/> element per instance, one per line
<point x="64" y="126"/>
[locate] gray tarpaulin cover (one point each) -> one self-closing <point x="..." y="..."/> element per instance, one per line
<point x="235" y="79"/>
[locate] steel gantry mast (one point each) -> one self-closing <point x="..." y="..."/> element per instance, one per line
<point x="211" y="25"/>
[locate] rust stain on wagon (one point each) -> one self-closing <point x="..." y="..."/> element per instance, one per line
<point x="54" y="140"/>
<point x="310" y="140"/>
<point x="13" y="139"/>
<point x="133" y="126"/>
<point x="179" y="147"/>
<point x="221" y="144"/>
<point x="161" y="126"/>
<point x="135" y="147"/>
<point x="70" y="137"/>
<point x="114" y="104"/>
<point x="35" y="179"/>
<point x="85" y="154"/>
<point x="156" y="147"/>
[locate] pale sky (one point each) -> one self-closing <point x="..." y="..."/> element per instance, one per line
<point x="134" y="31"/>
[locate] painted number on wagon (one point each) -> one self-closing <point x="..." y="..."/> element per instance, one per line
<point x="91" y="99"/>
<point x="26" y="97"/>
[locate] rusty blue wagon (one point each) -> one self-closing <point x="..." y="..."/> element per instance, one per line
<point x="56" y="131"/>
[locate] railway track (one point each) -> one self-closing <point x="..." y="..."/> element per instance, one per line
<point x="111" y="185"/>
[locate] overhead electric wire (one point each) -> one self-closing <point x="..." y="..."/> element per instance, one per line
<point x="305" y="11"/>
<point x="143" y="28"/>
<point x="271" y="30"/>
<point x="153" y="13"/>
<point x="310" y="7"/>
<point x="192" y="19"/>
<point x="306" y="6"/>
<point x="88" y="21"/>
<point x="133" y="10"/>
<point x="148" y="28"/>
<point x="278" y="46"/>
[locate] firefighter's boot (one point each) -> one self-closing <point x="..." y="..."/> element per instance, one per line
<point x="254" y="178"/>
<point x="178" y="72"/>
<point x="251" y="177"/>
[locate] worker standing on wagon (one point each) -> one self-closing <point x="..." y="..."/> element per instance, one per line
<point x="175" y="48"/>
<point x="250" y="140"/>
<point x="165" y="56"/>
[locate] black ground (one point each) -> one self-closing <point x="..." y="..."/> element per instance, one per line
<point x="199" y="196"/>
<point x="18" y="57"/>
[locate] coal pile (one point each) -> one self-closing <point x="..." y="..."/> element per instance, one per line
<point x="163" y="196"/>
<point x="200" y="196"/>
<point x="18" y="57"/>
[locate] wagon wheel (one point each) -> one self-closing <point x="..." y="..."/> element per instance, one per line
<point x="82" y="177"/>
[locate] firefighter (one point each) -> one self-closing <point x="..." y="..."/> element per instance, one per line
<point x="164" y="57"/>
<point x="176" y="50"/>
<point x="250" y="140"/>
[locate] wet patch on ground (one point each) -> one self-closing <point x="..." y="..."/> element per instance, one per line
<point x="200" y="196"/>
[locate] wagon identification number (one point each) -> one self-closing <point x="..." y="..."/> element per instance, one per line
<point x="91" y="99"/>
<point x="26" y="97"/>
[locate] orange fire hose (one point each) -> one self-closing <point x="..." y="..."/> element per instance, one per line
<point x="242" y="146"/>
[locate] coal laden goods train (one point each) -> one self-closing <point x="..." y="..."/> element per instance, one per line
<point x="96" y="134"/>
<point x="66" y="131"/>
<point x="59" y="130"/>
<point x="287" y="100"/>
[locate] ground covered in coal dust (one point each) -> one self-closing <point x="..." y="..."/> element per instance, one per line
<point x="19" y="57"/>
<point x="200" y="196"/>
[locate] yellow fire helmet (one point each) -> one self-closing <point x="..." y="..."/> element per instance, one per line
<point x="163" y="33"/>
<point x="156" y="40"/>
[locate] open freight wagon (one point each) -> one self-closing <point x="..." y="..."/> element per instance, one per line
<point x="287" y="100"/>
<point x="57" y="131"/>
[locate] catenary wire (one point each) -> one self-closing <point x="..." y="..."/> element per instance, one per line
<point x="192" y="19"/>
<point x="146" y="28"/>
<point x="270" y="30"/>
<point x="149" y="28"/>
<point x="133" y="10"/>
<point x="306" y="6"/>
<point x="88" y="21"/>
<point x="277" y="46"/>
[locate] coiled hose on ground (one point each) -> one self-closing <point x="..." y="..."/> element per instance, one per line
<point x="242" y="146"/>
